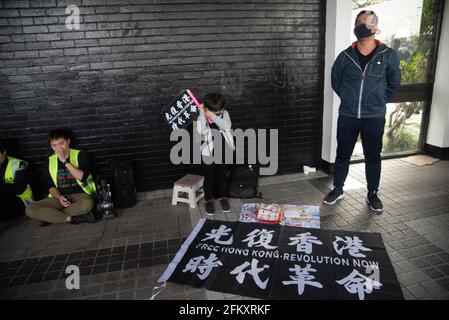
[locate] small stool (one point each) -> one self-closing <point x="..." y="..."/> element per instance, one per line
<point x="190" y="184"/>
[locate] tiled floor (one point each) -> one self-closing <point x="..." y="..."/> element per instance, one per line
<point x="122" y="258"/>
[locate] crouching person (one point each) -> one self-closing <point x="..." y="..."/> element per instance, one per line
<point x="70" y="185"/>
<point x="15" y="190"/>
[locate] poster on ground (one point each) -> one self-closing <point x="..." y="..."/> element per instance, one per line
<point x="286" y="263"/>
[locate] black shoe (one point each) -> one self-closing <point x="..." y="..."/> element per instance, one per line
<point x="374" y="203"/>
<point x="210" y="209"/>
<point x="334" y="196"/>
<point x="98" y="215"/>
<point x="86" y="218"/>
<point x="44" y="224"/>
<point x="225" y="205"/>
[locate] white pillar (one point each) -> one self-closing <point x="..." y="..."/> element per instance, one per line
<point x="438" y="133"/>
<point x="338" y="37"/>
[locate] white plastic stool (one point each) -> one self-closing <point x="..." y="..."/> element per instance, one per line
<point x="190" y="184"/>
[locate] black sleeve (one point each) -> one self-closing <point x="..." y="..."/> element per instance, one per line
<point x="393" y="76"/>
<point x="84" y="164"/>
<point x="2" y="181"/>
<point x="47" y="177"/>
<point x="20" y="180"/>
<point x="337" y="74"/>
<point x="2" y="174"/>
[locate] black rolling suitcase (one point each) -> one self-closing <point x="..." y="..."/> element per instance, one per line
<point x="124" y="194"/>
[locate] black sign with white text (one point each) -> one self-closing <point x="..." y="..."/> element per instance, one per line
<point x="277" y="262"/>
<point x="181" y="112"/>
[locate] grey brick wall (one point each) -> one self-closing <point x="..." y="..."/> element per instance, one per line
<point x="109" y="80"/>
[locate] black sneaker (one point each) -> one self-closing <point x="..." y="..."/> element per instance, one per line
<point x="374" y="203"/>
<point x="44" y="224"/>
<point x="86" y="218"/>
<point x="225" y="205"/>
<point x="209" y="206"/>
<point x="335" y="195"/>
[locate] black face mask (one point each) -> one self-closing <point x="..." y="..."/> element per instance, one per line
<point x="362" y="32"/>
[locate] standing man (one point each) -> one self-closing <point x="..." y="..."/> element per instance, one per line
<point x="365" y="76"/>
<point x="15" y="190"/>
<point x="69" y="183"/>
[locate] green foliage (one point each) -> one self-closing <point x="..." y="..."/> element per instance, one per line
<point x="397" y="126"/>
<point x="404" y="141"/>
<point x="414" y="70"/>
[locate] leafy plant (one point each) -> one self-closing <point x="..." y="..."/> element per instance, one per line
<point x="405" y="141"/>
<point x="414" y="70"/>
<point x="397" y="124"/>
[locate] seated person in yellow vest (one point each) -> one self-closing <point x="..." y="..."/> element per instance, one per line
<point x="15" y="190"/>
<point x="70" y="185"/>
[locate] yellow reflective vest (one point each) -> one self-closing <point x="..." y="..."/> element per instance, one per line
<point x="10" y="175"/>
<point x="88" y="186"/>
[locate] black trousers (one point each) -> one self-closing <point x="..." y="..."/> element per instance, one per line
<point x="11" y="206"/>
<point x="372" y="131"/>
<point x="215" y="184"/>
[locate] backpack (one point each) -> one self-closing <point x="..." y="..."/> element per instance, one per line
<point x="124" y="194"/>
<point x="243" y="183"/>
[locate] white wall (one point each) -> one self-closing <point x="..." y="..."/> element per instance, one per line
<point x="438" y="133"/>
<point x="338" y="38"/>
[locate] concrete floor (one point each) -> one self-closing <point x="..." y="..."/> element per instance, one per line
<point x="122" y="258"/>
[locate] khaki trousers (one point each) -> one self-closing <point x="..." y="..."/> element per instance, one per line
<point x="51" y="211"/>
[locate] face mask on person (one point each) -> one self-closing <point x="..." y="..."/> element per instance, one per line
<point x="362" y="32"/>
<point x="365" y="29"/>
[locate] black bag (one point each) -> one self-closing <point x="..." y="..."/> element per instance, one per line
<point x="243" y="183"/>
<point x="124" y="194"/>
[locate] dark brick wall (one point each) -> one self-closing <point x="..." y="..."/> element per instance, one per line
<point x="109" y="80"/>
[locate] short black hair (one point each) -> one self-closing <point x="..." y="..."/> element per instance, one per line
<point x="3" y="146"/>
<point x="368" y="11"/>
<point x="214" y="102"/>
<point x="60" y="133"/>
